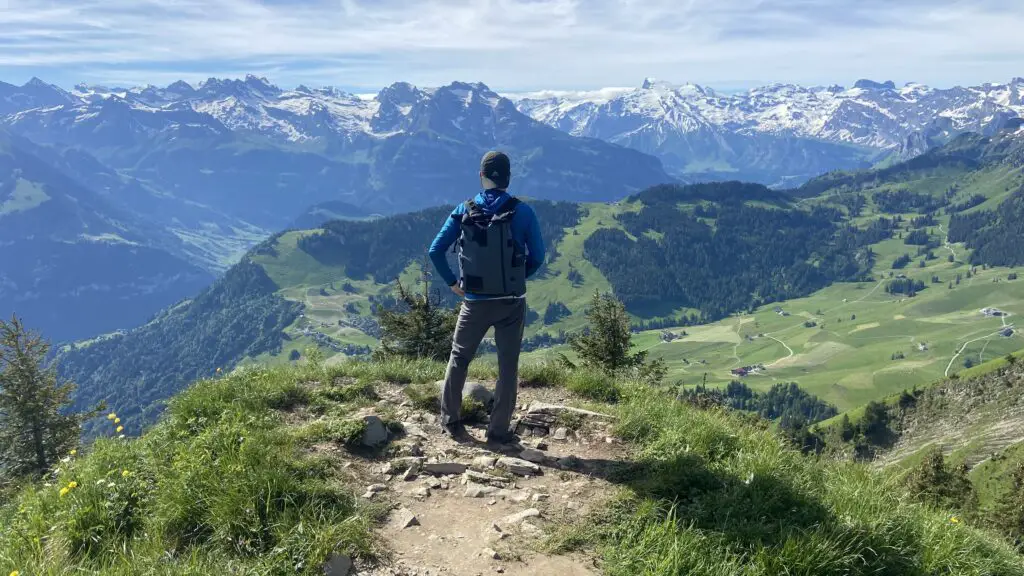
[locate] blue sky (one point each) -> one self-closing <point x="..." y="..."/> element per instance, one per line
<point x="512" y="45"/>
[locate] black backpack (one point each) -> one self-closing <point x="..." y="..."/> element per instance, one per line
<point x="489" y="262"/>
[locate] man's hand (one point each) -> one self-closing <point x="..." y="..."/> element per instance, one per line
<point x="458" y="291"/>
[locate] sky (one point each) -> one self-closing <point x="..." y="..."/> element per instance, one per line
<point x="512" y="45"/>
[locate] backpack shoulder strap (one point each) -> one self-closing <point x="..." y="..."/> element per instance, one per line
<point x="508" y="210"/>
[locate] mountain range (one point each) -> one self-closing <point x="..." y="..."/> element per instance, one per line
<point x="780" y="134"/>
<point x="208" y="172"/>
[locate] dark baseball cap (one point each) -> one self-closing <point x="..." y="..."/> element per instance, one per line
<point x="496" y="170"/>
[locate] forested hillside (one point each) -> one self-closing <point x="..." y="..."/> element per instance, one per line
<point x="237" y="317"/>
<point x="995" y="236"/>
<point x="72" y="263"/>
<point x="724" y="257"/>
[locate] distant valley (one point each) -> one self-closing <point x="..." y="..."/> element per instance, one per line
<point x="701" y="269"/>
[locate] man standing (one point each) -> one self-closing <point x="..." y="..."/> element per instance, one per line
<point x="499" y="247"/>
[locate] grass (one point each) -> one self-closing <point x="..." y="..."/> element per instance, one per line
<point x="993" y="478"/>
<point x="542" y="374"/>
<point x="221" y="485"/>
<point x="593" y="385"/>
<point x="712" y="492"/>
<point x="225" y="484"/>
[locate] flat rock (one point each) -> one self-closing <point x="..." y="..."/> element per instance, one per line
<point x="414" y="430"/>
<point x="514" y="519"/>
<point x="478" y="491"/>
<point x="338" y="565"/>
<point x="376" y="488"/>
<point x="518" y="466"/>
<point x="490" y="553"/>
<point x="540" y="408"/>
<point x="421" y="492"/>
<point x="481" y="478"/>
<point x="561" y="433"/>
<point x="444" y="468"/>
<point x="406" y="518"/>
<point x="519" y="496"/>
<point x="540" y="497"/>
<point x="533" y="455"/>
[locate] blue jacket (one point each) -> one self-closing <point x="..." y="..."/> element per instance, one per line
<point x="525" y="233"/>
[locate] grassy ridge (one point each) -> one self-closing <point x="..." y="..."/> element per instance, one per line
<point x="224" y="484"/>
<point x="220" y="486"/>
<point x="714" y="493"/>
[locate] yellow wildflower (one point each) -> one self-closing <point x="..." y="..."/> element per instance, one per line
<point x="111" y="416"/>
<point x="72" y="485"/>
<point x="120" y="429"/>
<point x="74" y="452"/>
<point x="15" y="573"/>
<point x="117" y="420"/>
<point x="64" y="492"/>
<point x="954" y="520"/>
<point x="218" y="370"/>
<point x="125" y="473"/>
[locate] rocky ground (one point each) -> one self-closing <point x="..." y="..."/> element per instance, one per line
<point x="466" y="508"/>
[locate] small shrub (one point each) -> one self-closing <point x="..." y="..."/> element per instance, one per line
<point x="420" y="327"/>
<point x="342" y="431"/>
<point x="934" y="483"/>
<point x="570" y="420"/>
<point x="594" y="385"/>
<point x="473" y="410"/>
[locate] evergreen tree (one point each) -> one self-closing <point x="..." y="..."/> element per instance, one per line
<point x="936" y="484"/>
<point x="1008" y="515"/>
<point x="419" y="326"/>
<point x="606" y="343"/>
<point x="875" y="424"/>
<point x="36" y="430"/>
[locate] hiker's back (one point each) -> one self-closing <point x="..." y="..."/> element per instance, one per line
<point x="491" y="262"/>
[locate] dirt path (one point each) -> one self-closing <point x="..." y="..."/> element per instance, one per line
<point x="790" y="350"/>
<point x="475" y="513"/>
<point x="968" y="343"/>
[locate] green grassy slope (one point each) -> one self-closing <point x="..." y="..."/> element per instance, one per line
<point x="230" y="482"/>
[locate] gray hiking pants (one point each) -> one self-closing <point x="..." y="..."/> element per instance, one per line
<point x="507" y="316"/>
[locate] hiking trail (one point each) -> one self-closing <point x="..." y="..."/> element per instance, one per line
<point x="467" y="508"/>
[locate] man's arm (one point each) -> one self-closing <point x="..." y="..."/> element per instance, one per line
<point x="534" y="244"/>
<point x="439" y="247"/>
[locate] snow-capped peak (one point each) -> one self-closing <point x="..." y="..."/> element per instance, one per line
<point x="655" y="84"/>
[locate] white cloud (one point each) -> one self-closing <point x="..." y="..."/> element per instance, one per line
<point x="514" y="44"/>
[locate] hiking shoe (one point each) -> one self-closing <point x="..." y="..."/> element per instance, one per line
<point x="502" y="439"/>
<point x="456" y="430"/>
